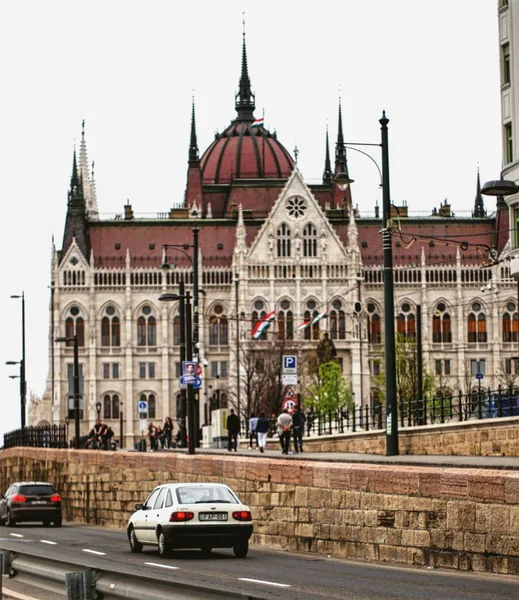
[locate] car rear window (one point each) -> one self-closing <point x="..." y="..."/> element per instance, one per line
<point x="36" y="490"/>
<point x="200" y="495"/>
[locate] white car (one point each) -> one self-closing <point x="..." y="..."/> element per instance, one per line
<point x="191" y="515"/>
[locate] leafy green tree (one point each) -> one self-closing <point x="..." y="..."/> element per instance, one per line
<point x="330" y="390"/>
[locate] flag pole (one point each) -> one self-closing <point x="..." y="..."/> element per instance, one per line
<point x="263" y="140"/>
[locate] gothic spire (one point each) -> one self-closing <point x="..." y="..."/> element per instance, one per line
<point x="75" y="195"/>
<point x="341" y="162"/>
<point x="86" y="179"/>
<point x="193" y="148"/>
<point x="479" y="207"/>
<point x="327" y="173"/>
<point x="244" y="98"/>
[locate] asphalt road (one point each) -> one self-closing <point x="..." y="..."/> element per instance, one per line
<point x="264" y="573"/>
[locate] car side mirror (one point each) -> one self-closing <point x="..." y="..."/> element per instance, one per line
<point x="139" y="506"/>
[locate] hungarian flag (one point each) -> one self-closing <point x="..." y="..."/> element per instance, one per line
<point x="260" y="329"/>
<point x="306" y="324"/>
<point x="258" y="122"/>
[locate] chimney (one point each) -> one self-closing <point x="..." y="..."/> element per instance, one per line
<point x="128" y="212"/>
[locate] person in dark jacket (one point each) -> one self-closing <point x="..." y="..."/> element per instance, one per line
<point x="298" y="428"/>
<point x="262" y="429"/>
<point x="233" y="429"/>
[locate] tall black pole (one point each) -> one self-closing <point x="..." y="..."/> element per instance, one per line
<point x="182" y="314"/>
<point x="196" y="330"/>
<point x="76" y="392"/>
<point x="190" y="390"/>
<point x="389" y="303"/>
<point x="238" y="386"/>
<point x="419" y="351"/>
<point x="23" y="383"/>
<point x="121" y="443"/>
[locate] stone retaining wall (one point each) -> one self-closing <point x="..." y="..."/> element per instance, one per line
<point x="495" y="437"/>
<point x="465" y="519"/>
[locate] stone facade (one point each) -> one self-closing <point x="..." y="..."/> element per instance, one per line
<point x="466" y="519"/>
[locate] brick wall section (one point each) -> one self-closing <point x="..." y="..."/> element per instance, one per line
<point x="465" y="519"/>
<point x="496" y="437"/>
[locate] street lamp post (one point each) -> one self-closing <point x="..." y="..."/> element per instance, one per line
<point x="121" y="425"/>
<point x="343" y="181"/>
<point x="67" y="421"/>
<point x="98" y="409"/>
<point x="76" y="385"/>
<point x="186" y="353"/>
<point x="23" y="382"/>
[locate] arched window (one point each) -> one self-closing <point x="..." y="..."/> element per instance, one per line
<point x="146" y="328"/>
<point x="313" y="331"/>
<point x="374" y="329"/>
<point x="406" y="323"/>
<point x="218" y="327"/>
<point x="510" y="323"/>
<point x="476" y="324"/>
<point x="176" y="331"/>
<point x="337" y="320"/>
<point x="441" y="325"/>
<point x="111" y="405"/>
<point x="257" y="314"/>
<point x="152" y="404"/>
<point x="283" y="240"/>
<point x="310" y="240"/>
<point x="285" y="321"/>
<point x="110" y="328"/>
<point x="75" y="325"/>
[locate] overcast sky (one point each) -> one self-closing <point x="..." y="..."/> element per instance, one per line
<point x="130" y="70"/>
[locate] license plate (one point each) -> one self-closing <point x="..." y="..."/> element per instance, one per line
<point x="39" y="502"/>
<point x="219" y="516"/>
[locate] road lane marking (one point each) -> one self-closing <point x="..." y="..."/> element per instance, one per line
<point x="49" y="542"/>
<point x="151" y="564"/>
<point x="94" y="552"/>
<point x="16" y="535"/>
<point x="264" y="582"/>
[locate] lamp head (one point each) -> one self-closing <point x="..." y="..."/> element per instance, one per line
<point x="343" y="181"/>
<point x="499" y="187"/>
<point x="12" y="362"/>
<point x="60" y="339"/>
<point x="170" y="297"/>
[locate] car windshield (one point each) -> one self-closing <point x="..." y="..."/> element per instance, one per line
<point x="36" y="490"/>
<point x="205" y="494"/>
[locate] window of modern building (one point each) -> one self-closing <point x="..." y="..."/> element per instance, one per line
<point x="510" y="323"/>
<point x="337" y="320"/>
<point x="285" y="321"/>
<point x="505" y="63"/>
<point x="219" y="368"/>
<point x="512" y="366"/>
<point x="110" y="328"/>
<point x="111" y="405"/>
<point x="218" y="327"/>
<point x="447" y="366"/>
<point x="176" y="331"/>
<point x="442" y="332"/>
<point x="476" y="324"/>
<point x="478" y="365"/>
<point x="310" y="240"/>
<point x="284" y="241"/>
<point x="406" y="323"/>
<point x="374" y="328"/>
<point x="110" y="370"/>
<point x="509" y="145"/>
<point x="146" y="328"/>
<point x="75" y="325"/>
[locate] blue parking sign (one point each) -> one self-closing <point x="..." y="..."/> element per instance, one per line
<point x="289" y="364"/>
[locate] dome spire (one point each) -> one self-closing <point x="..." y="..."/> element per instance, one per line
<point x="245" y="99"/>
<point x="341" y="162"/>
<point x="479" y="207"/>
<point x="327" y="174"/>
<point x="193" y="148"/>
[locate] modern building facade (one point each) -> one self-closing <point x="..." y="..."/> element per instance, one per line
<point x="269" y="242"/>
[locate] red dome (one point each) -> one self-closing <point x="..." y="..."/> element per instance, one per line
<point x="243" y="151"/>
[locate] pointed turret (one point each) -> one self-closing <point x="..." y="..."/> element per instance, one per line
<point x="479" y="207"/>
<point x="327" y="173"/>
<point x="193" y="148"/>
<point x="341" y="162"/>
<point x="76" y="221"/>
<point x="245" y="99"/>
<point x="88" y="185"/>
<point x="194" y="174"/>
<point x="342" y="180"/>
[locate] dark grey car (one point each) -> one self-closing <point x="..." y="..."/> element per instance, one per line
<point x="30" y="501"/>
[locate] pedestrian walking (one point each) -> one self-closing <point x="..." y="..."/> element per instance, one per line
<point x="167" y="428"/>
<point x="153" y="436"/>
<point x="284" y="424"/>
<point x="252" y="430"/>
<point x="233" y="429"/>
<point x="262" y="429"/>
<point x="298" y="428"/>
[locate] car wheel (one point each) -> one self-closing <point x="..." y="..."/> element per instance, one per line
<point x="206" y="550"/>
<point x="164" y="545"/>
<point x="46" y="523"/>
<point x="135" y="545"/>
<point x="240" y="549"/>
<point x="9" y="521"/>
<point x="57" y="521"/>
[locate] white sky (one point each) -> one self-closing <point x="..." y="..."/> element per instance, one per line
<point x="130" y="68"/>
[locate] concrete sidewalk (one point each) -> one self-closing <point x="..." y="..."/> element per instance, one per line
<point x="463" y="462"/>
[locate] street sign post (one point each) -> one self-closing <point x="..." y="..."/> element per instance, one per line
<point x="479" y="376"/>
<point x="289" y="399"/>
<point x="289" y="379"/>
<point x="289" y="364"/>
<point x="142" y="406"/>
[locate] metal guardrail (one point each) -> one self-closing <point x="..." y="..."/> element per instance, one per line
<point x="54" y="436"/>
<point x="78" y="582"/>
